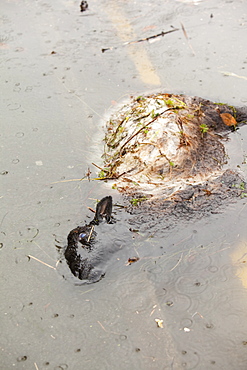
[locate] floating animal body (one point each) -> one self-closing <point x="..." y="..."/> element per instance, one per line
<point x="80" y="253"/>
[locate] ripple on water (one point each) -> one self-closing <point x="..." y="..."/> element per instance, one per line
<point x="14" y="106"/>
<point x="220" y="324"/>
<point x="125" y="346"/>
<point x="12" y="306"/>
<point x="28" y="233"/>
<point x="87" y="307"/>
<point x="19" y="134"/>
<point x="226" y="273"/>
<point x="130" y="295"/>
<point x="189" y="358"/>
<point x="213" y="269"/>
<point x="94" y="363"/>
<point x="197" y="260"/>
<point x="176" y="303"/>
<point x="204" y="344"/>
<point x="107" y="312"/>
<point x="190" y="284"/>
<point x="186" y="323"/>
<point x="61" y="367"/>
<point x="154" y="270"/>
<point x="15" y="161"/>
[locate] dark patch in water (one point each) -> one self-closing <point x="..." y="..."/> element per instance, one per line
<point x="81" y="251"/>
<point x="194" y="202"/>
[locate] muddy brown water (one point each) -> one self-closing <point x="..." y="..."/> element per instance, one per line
<point x="56" y="88"/>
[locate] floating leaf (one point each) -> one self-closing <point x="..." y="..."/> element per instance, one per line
<point x="228" y="119"/>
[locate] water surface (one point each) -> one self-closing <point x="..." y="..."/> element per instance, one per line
<point x="57" y="87"/>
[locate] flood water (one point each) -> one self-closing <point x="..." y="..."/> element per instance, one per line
<point x="56" y="88"/>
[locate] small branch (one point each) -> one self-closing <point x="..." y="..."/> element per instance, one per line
<point x="43" y="250"/>
<point x="58" y="182"/>
<point x="107" y="331"/>
<point x="186" y="36"/>
<point x="91" y="209"/>
<point x="46" y="264"/>
<point x="177" y="262"/>
<point x="140" y="40"/>
<point x="225" y="73"/>
<point x="89" y="237"/>
<point x="144" y="127"/>
<point x="100" y="168"/>
<point x="112" y="177"/>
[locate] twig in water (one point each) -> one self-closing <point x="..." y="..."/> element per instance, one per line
<point x="46" y="264"/>
<point x="78" y="97"/>
<point x="198" y="313"/>
<point x="42" y="250"/>
<point x="100" y="168"/>
<point x="120" y="206"/>
<point x="141" y="40"/>
<point x="225" y="73"/>
<point x="107" y="331"/>
<point x="3" y="218"/>
<point x="58" y="182"/>
<point x="87" y="291"/>
<point x="91" y="209"/>
<point x="87" y="175"/>
<point x="177" y="262"/>
<point x="241" y="209"/>
<point x="57" y="263"/>
<point x="89" y="237"/>
<point x="154" y="308"/>
<point x="144" y="127"/>
<point x="186" y="36"/>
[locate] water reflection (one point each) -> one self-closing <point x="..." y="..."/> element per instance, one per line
<point x="137" y="54"/>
